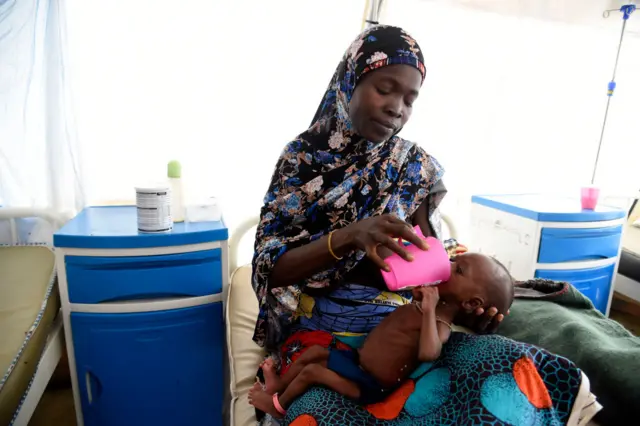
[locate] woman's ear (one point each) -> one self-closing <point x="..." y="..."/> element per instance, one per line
<point x="472" y="304"/>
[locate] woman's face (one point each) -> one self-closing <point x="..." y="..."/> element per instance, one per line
<point x="382" y="101"/>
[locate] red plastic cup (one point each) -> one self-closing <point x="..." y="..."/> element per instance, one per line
<point x="589" y="197"/>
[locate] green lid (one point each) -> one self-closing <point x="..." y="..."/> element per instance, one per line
<point x="174" y="169"/>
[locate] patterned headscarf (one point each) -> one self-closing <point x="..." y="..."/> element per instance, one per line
<point x="330" y="177"/>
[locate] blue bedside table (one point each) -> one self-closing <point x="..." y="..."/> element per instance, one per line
<point x="547" y="236"/>
<point x="143" y="319"/>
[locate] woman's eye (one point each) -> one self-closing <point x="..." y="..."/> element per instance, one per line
<point x="409" y="101"/>
<point x="382" y="91"/>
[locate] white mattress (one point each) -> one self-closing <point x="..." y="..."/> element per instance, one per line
<point x="243" y="353"/>
<point x="27" y="276"/>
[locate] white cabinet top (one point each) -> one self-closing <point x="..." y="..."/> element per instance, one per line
<point x="548" y="208"/>
<point x="116" y="228"/>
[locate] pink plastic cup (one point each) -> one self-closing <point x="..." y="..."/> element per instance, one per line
<point x="589" y="197"/>
<point x="428" y="267"/>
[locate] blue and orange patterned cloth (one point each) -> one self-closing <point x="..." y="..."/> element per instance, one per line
<point x="489" y="380"/>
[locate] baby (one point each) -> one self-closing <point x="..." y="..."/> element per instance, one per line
<point x="412" y="334"/>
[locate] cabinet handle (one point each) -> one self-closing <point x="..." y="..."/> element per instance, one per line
<point x="87" y="378"/>
<point x="92" y="382"/>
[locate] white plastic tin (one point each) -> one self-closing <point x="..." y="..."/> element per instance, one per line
<point x="153" y="205"/>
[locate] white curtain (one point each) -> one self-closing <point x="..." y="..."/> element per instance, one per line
<point x="220" y="86"/>
<point x="39" y="156"/>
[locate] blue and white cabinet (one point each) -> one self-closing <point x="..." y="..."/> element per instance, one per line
<point x="551" y="237"/>
<point x="143" y="319"/>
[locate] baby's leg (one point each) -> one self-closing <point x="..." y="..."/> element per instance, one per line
<point x="316" y="374"/>
<point x="314" y="355"/>
<point x="273" y="383"/>
<point x="271" y="378"/>
<point x="310" y="375"/>
<point x="263" y="401"/>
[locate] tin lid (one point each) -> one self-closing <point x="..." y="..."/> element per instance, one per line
<point x="151" y="188"/>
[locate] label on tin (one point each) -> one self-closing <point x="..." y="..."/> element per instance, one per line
<point x="154" y="210"/>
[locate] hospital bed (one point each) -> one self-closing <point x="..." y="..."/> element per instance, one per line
<point x="244" y="355"/>
<point x="31" y="338"/>
<point x="628" y="280"/>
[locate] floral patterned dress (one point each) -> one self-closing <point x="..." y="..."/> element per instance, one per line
<point x="329" y="177"/>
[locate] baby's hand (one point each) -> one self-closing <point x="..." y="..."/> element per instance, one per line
<point x="430" y="297"/>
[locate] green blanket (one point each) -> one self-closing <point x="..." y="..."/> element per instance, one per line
<point x="557" y="317"/>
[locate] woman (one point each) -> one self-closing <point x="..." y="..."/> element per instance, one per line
<point x="343" y="187"/>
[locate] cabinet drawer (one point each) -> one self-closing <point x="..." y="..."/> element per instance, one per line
<point x="594" y="283"/>
<point x="154" y="368"/>
<point x="106" y="279"/>
<point x="571" y="245"/>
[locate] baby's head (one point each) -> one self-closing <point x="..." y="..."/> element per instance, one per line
<point x="478" y="281"/>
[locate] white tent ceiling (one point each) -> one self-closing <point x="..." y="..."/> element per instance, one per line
<point x="578" y="12"/>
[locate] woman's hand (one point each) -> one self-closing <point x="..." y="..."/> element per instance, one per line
<point x="372" y="232"/>
<point x="484" y="322"/>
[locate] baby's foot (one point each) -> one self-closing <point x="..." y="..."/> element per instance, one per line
<point x="263" y="401"/>
<point x="272" y="381"/>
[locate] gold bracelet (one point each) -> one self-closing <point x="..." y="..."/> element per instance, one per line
<point x="329" y="247"/>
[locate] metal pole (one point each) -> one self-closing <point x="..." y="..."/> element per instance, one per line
<point x="626" y="10"/>
<point x="375" y="6"/>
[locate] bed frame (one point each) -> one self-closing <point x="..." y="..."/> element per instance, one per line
<point x="54" y="345"/>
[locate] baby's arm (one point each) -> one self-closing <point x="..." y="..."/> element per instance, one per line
<point x="432" y="333"/>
